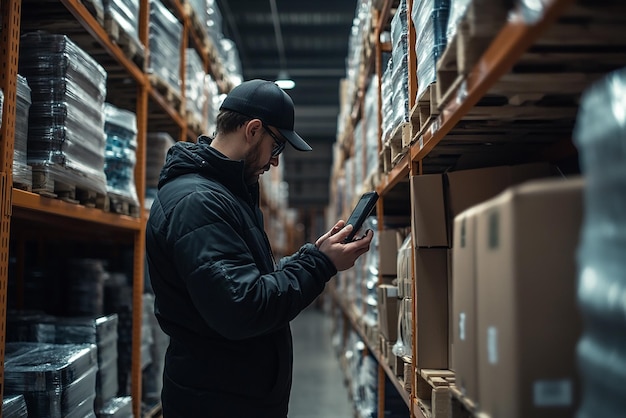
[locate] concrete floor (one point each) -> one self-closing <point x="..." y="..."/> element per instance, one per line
<point x="318" y="389"/>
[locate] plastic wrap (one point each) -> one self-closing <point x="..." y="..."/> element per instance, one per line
<point x="196" y="86"/>
<point x="62" y="386"/>
<point x="22" y="172"/>
<point x="371" y="129"/>
<point x="120" y="153"/>
<point x="214" y="20"/>
<point x="101" y="331"/>
<point x="85" y="288"/>
<point x="66" y="118"/>
<point x="430" y="18"/>
<point x="158" y="145"/>
<point x="399" y="24"/>
<point x="121" y="407"/>
<point x="213" y="103"/>
<point x="165" y="37"/>
<point x="532" y="10"/>
<point x="152" y="381"/>
<point x="457" y="11"/>
<point x="386" y="93"/>
<point x="600" y="136"/>
<point x="14" y="406"/>
<point x="400" y="91"/>
<point x="126" y="14"/>
<point x="231" y="61"/>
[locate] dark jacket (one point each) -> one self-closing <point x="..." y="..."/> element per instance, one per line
<point x="219" y="297"/>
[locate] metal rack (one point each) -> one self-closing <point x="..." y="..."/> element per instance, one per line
<point x="504" y="51"/>
<point x="131" y="88"/>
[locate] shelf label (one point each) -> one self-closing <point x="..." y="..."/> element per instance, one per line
<point x="492" y="345"/>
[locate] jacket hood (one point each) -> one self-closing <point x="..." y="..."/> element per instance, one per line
<point x="199" y="158"/>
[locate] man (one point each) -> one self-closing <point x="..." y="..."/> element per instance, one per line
<point x="224" y="302"/>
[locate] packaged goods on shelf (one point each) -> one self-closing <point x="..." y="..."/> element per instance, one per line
<point x="400" y="69"/>
<point x="361" y="28"/>
<point x="158" y="143"/>
<point x="532" y="10"/>
<point x="102" y="331"/>
<point x="430" y="18"/>
<point x="600" y="135"/>
<point x="214" y="102"/>
<point x="153" y="373"/>
<point x="231" y="61"/>
<point x="400" y="91"/>
<point x="196" y="89"/>
<point x="14" y="406"/>
<point x="85" y="287"/>
<point x="146" y="330"/>
<point x="457" y="11"/>
<point x="527" y="316"/>
<point x="121" y="407"/>
<point x="62" y="386"/>
<point x="371" y="262"/>
<point x="125" y="14"/>
<point x="120" y="127"/>
<point x="22" y="172"/>
<point x="371" y="128"/>
<point x="214" y="20"/>
<point x="165" y="33"/>
<point x="359" y="143"/>
<point x="66" y="119"/>
<point x="386" y="93"/>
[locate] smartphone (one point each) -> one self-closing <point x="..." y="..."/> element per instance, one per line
<point x="361" y="211"/>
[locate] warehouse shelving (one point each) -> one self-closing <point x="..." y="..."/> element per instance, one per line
<point x="129" y="87"/>
<point x="509" y="44"/>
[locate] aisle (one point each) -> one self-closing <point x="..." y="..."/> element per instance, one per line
<point x="318" y="383"/>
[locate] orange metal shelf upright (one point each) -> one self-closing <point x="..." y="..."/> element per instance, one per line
<point x="9" y="43"/>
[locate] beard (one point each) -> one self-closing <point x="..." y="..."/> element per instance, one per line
<point x="252" y="165"/>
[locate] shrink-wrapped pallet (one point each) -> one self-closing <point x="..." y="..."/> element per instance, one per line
<point x="66" y="118"/>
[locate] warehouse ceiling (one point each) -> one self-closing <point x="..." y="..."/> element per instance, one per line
<point x="309" y="40"/>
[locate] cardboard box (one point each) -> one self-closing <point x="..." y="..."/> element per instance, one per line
<point x="428" y="223"/>
<point x="464" y="344"/>
<point x="528" y="321"/>
<point x="431" y="307"/>
<point x="388" y="251"/>
<point x="467" y="188"/>
<point x="388" y="308"/>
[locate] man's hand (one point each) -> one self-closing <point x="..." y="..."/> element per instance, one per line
<point x="343" y="255"/>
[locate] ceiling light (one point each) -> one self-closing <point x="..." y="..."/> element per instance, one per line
<point x="284" y="82"/>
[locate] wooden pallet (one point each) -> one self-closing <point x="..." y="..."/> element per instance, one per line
<point x="123" y="205"/>
<point x="195" y="122"/>
<point x="585" y="43"/>
<point x="54" y="182"/>
<point x="423" y="113"/>
<point x="397" y="140"/>
<point x="434" y="394"/>
<point x="164" y="88"/>
<point x="132" y="48"/>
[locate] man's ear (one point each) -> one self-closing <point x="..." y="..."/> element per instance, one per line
<point x="253" y="130"/>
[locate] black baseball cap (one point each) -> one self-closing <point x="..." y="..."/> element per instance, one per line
<point x="261" y="99"/>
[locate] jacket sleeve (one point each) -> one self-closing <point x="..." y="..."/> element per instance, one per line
<point x="214" y="258"/>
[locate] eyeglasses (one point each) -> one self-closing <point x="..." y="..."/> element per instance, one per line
<point x="279" y="146"/>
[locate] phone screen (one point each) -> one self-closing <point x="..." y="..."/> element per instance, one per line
<point x="361" y="211"/>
